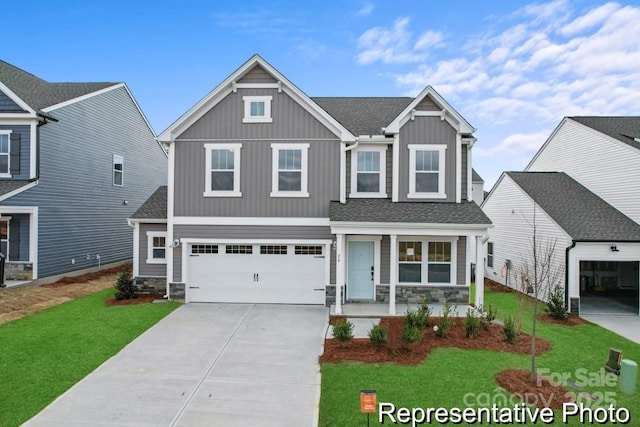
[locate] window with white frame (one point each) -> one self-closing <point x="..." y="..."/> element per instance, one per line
<point x="490" y="254"/>
<point x="4" y="237"/>
<point x="156" y="247"/>
<point x="118" y="170"/>
<point x="290" y="174"/>
<point x="427" y="171"/>
<point x="257" y="109"/>
<point x="436" y="268"/>
<point x="222" y="177"/>
<point x="5" y="147"/>
<point x="368" y="172"/>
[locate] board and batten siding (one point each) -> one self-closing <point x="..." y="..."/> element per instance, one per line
<point x="221" y="232"/>
<point x="428" y="130"/>
<point x="464" y="163"/>
<point x="149" y="270"/>
<point x="7" y="104"/>
<point x="25" y="146"/>
<point x="512" y="213"/>
<point x="223" y="124"/>
<point x="609" y="168"/>
<point x="81" y="214"/>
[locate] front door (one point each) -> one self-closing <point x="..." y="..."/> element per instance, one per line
<point x="361" y="273"/>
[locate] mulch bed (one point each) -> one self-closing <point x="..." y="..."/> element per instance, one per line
<point x="397" y="351"/>
<point x="573" y="320"/>
<point x="140" y="299"/>
<point x="85" y="277"/>
<point x="541" y="393"/>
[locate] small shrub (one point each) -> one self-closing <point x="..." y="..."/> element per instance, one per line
<point x="472" y="324"/>
<point x="491" y="313"/>
<point x="411" y="333"/>
<point x="378" y="335"/>
<point x="125" y="286"/>
<point x="418" y="318"/>
<point x="555" y="307"/>
<point x="486" y="316"/>
<point x="510" y="330"/>
<point x="343" y="330"/>
<point x="425" y="312"/>
<point x="446" y="322"/>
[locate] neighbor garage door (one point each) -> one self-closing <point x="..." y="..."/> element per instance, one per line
<point x="257" y="273"/>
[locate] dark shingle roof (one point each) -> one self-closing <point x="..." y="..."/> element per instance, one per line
<point x="9" y="186"/>
<point x="383" y="210"/>
<point x="38" y="93"/>
<point x="363" y="116"/>
<point x="155" y="207"/>
<point x="623" y="129"/>
<point x="582" y="214"/>
<point x="475" y="177"/>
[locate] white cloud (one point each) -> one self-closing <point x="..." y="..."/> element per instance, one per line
<point x="366" y="9"/>
<point x="519" y="145"/>
<point x="589" y="20"/>
<point x="395" y="45"/>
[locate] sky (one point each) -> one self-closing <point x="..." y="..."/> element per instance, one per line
<point x="513" y="69"/>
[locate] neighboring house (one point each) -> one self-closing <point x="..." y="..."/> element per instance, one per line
<point x="277" y="197"/>
<point x="76" y="160"/>
<point x="581" y="183"/>
<point x="477" y="187"/>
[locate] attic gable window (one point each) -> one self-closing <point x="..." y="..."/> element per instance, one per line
<point x="118" y="170"/>
<point x="427" y="171"/>
<point x="257" y="109"/>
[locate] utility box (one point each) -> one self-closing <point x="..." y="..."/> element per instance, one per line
<point x="628" y="376"/>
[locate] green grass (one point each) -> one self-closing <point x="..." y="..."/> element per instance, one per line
<point x="43" y="355"/>
<point x="448" y="375"/>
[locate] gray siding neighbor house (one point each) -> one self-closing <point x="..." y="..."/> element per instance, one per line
<point x="76" y="160"/>
<point x="277" y="197"/>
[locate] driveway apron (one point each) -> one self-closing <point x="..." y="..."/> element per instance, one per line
<point x="206" y="365"/>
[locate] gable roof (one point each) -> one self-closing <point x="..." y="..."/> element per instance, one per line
<point x="363" y="116"/>
<point x="39" y="94"/>
<point x="475" y="176"/>
<point x="625" y="129"/>
<point x="578" y="211"/>
<point x="155" y="207"/>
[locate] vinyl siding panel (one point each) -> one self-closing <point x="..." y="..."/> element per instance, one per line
<point x="512" y="214"/>
<point x="25" y="142"/>
<point x="463" y="172"/>
<point x="609" y="168"/>
<point x="427" y="104"/>
<point x="385" y="254"/>
<point x="81" y="214"/>
<point x="7" y="104"/>
<point x="461" y="261"/>
<point x="150" y="270"/>
<point x="257" y="75"/>
<point x="428" y="130"/>
<point x="291" y="123"/>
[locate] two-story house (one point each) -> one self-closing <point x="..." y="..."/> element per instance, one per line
<point x="76" y="160"/>
<point x="277" y="197"/>
<point x="581" y="185"/>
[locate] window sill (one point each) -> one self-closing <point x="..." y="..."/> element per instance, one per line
<point x="156" y="261"/>
<point x="5" y="175"/>
<point x="430" y="285"/>
<point x="368" y="196"/>
<point x="257" y="120"/>
<point x="288" y="194"/>
<point x="222" y="194"/>
<point x="426" y="196"/>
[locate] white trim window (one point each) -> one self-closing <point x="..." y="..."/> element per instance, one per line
<point x="156" y="247"/>
<point x="437" y="268"/>
<point x="118" y="171"/>
<point x="5" y="153"/>
<point x="427" y="171"/>
<point x="4" y="237"/>
<point x="222" y="178"/>
<point x="490" y="254"/>
<point x="290" y="171"/>
<point x="257" y="109"/>
<point x="368" y="172"/>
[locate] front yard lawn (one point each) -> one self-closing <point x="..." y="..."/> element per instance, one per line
<point x="456" y="378"/>
<point x="43" y="355"/>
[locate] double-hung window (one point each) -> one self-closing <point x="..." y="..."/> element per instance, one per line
<point x="222" y="177"/>
<point x="368" y="178"/>
<point x="118" y="170"/>
<point x="490" y="254"/>
<point x="410" y="262"/>
<point x="290" y="174"/>
<point x="438" y="267"/>
<point x="427" y="171"/>
<point x="4" y="152"/>
<point x="439" y="262"/>
<point x="156" y="247"/>
<point x="257" y="109"/>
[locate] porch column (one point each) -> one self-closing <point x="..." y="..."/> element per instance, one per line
<point x="479" y="272"/>
<point x="340" y="271"/>
<point x="393" y="272"/>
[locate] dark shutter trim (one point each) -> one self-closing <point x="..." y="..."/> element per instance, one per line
<point x="14" y="160"/>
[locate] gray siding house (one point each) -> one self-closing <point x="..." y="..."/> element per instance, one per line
<point x="277" y="197"/>
<point x="76" y="160"/>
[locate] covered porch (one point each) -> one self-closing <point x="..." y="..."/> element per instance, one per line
<point x="19" y="243"/>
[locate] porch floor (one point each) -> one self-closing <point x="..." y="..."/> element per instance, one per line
<point x="382" y="309"/>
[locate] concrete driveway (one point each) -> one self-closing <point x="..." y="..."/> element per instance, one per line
<point x="206" y="365"/>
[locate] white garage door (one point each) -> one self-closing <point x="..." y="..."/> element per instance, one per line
<point x="257" y="273"/>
